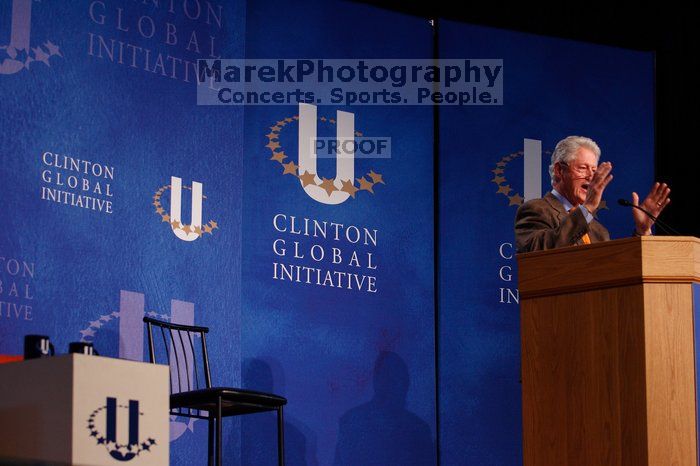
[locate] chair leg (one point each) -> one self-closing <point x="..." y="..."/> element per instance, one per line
<point x="280" y="437"/>
<point x="210" y="433"/>
<point x="218" y="432"/>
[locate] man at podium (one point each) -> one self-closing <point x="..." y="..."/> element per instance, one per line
<point x="565" y="216"/>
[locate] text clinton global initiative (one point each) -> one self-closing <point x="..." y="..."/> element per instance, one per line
<point x="304" y="245"/>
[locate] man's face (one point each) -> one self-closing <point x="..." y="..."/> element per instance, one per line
<point x="576" y="176"/>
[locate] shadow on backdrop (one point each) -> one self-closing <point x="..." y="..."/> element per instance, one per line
<point x="259" y="431"/>
<point x="382" y="431"/>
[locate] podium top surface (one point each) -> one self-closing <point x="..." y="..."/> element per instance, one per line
<point x="76" y="358"/>
<point x="628" y="261"/>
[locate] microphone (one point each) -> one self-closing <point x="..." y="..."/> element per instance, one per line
<point x="666" y="228"/>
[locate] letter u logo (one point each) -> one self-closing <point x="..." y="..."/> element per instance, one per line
<point x="19" y="35"/>
<point x="19" y="53"/>
<point x="111" y="427"/>
<point x="187" y="234"/>
<point x="345" y="163"/>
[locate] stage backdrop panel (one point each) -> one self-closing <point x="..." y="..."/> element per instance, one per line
<point x="552" y="88"/>
<point x="99" y="122"/>
<point x="357" y="365"/>
<point x="102" y="135"/>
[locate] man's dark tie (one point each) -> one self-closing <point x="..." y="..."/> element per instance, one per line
<point x="585" y="238"/>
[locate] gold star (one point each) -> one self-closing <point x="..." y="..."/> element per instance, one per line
<point x="281" y="123"/>
<point x="497" y="171"/>
<point x="175" y="224"/>
<point x="279" y="156"/>
<point x="498" y="179"/>
<point x="275" y="128"/>
<point x="328" y="185"/>
<point x="272" y="135"/>
<point x="358" y="134"/>
<point x="198" y="230"/>
<point x="505" y="189"/>
<point x="365" y="185"/>
<point x="186" y="229"/>
<point x="207" y="229"/>
<point x="349" y="188"/>
<point x="515" y="200"/>
<point x="213" y="224"/>
<point x="166" y="218"/>
<point x="307" y="178"/>
<point x="159" y="210"/>
<point x="290" y="168"/>
<point x="506" y="159"/>
<point x="376" y="177"/>
<point x="288" y="120"/>
<point x="501" y="164"/>
<point x="322" y="118"/>
<point x="332" y="121"/>
<point x="156" y="203"/>
<point x="273" y="145"/>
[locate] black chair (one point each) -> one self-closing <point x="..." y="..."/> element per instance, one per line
<point x="190" y="396"/>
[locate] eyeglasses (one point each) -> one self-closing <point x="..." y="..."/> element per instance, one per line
<point x="581" y="170"/>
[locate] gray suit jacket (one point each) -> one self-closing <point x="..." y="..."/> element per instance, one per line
<point x="544" y="224"/>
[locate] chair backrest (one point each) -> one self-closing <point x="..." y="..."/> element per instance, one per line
<point x="177" y="346"/>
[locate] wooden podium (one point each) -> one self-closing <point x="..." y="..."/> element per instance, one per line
<point x="608" y="353"/>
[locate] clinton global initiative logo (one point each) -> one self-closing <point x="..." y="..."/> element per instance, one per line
<point x="532" y="156"/>
<point x="128" y="321"/>
<point x="21" y="51"/>
<point x="102" y="425"/>
<point x="333" y="190"/>
<point x="173" y="216"/>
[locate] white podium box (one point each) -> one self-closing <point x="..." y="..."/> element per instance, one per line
<point x="84" y="410"/>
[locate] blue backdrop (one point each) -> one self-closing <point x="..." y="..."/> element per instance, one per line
<point x="552" y="88"/>
<point x="99" y="122"/>
<point x="356" y="365"/>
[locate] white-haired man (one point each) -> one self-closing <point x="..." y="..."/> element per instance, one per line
<point x="566" y="215"/>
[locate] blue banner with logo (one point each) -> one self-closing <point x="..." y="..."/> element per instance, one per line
<point x="337" y="302"/>
<point x="552" y="89"/>
<point x="101" y="132"/>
